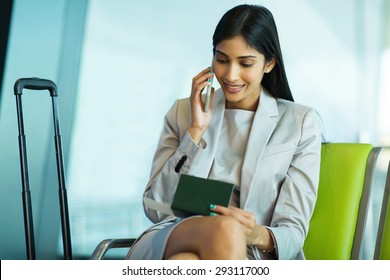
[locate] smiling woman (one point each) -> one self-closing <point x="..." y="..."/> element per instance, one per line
<point x="137" y="60"/>
<point x="240" y="74"/>
<point x="256" y="33"/>
<point x="253" y="112"/>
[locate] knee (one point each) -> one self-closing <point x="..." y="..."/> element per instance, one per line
<point x="227" y="236"/>
<point x="226" y="227"/>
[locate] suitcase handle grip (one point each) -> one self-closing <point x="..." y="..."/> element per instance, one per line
<point x="35" y="84"/>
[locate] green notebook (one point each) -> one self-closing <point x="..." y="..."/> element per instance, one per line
<point x="194" y="195"/>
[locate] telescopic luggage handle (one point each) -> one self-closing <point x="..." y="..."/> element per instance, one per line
<point x="41" y="84"/>
<point x="35" y="84"/>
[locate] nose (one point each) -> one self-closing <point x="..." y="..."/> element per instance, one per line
<point x="232" y="73"/>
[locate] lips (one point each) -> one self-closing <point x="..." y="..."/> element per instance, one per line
<point x="233" y="88"/>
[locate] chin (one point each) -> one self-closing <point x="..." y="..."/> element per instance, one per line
<point x="232" y="99"/>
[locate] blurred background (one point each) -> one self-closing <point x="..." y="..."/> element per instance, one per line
<point x="120" y="64"/>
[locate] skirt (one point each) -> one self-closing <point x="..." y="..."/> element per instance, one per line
<point x="150" y="245"/>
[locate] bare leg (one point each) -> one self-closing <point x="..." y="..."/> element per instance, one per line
<point x="185" y="256"/>
<point x="207" y="238"/>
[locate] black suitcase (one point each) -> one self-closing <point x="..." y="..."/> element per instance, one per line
<point x="41" y="84"/>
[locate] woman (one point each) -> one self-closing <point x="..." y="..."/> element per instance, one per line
<point x="253" y="136"/>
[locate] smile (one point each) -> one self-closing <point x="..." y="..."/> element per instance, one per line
<point x="233" y="88"/>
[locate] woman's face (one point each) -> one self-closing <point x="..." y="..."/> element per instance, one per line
<point x="239" y="70"/>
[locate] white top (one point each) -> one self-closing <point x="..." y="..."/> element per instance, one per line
<point x="234" y="136"/>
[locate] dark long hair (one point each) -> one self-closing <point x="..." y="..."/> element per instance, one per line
<point x="257" y="26"/>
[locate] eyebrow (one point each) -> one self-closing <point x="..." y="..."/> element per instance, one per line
<point x="240" y="57"/>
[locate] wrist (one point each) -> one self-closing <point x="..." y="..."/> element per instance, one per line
<point x="270" y="250"/>
<point x="265" y="240"/>
<point x="196" y="134"/>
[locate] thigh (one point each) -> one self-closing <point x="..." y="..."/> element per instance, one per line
<point x="208" y="237"/>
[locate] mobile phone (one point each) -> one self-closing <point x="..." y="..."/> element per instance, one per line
<point x="208" y="92"/>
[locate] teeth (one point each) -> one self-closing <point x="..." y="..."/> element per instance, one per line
<point x="234" y="87"/>
<point x="230" y="86"/>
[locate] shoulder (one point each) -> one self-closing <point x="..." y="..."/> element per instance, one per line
<point x="180" y="106"/>
<point x="293" y="109"/>
<point x="298" y="118"/>
<point x="287" y="105"/>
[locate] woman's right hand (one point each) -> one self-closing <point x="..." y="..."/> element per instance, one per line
<point x="200" y="119"/>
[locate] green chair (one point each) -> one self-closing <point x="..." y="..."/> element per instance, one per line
<point x="382" y="247"/>
<point x="337" y="226"/>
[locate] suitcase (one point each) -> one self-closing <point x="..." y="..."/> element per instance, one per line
<point x="41" y="84"/>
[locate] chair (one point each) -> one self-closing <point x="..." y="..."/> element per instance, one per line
<point x="337" y="226"/>
<point x="382" y="247"/>
<point x="108" y="244"/>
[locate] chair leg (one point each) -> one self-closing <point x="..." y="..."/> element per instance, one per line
<point x="364" y="203"/>
<point x="382" y="217"/>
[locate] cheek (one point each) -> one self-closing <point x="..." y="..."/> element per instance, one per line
<point x="253" y="77"/>
<point x="218" y="72"/>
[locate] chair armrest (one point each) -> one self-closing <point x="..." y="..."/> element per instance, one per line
<point x="108" y="244"/>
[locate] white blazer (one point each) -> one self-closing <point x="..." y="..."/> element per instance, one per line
<point x="280" y="172"/>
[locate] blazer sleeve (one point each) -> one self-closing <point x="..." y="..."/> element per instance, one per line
<point x="298" y="192"/>
<point x="174" y="155"/>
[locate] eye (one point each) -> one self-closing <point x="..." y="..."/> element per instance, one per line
<point x="221" y="60"/>
<point x="246" y="65"/>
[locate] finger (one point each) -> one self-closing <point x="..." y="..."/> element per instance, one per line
<point x="220" y="209"/>
<point x="229" y="210"/>
<point x="201" y="82"/>
<point x="202" y="76"/>
<point x="245" y="213"/>
<point x="203" y="72"/>
<point x="197" y="89"/>
<point x="244" y="217"/>
<point x="196" y="92"/>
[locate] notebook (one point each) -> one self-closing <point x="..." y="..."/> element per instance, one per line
<point x="193" y="196"/>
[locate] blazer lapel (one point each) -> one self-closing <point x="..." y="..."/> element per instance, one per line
<point x="262" y="127"/>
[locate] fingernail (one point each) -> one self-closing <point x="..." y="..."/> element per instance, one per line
<point x="212" y="214"/>
<point x="212" y="206"/>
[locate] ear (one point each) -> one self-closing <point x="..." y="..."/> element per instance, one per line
<point x="269" y="65"/>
